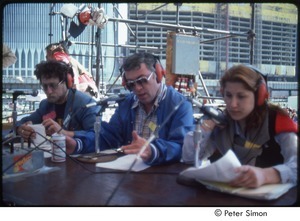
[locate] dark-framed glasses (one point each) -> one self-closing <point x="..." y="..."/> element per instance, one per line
<point x="51" y="85"/>
<point x="140" y="81"/>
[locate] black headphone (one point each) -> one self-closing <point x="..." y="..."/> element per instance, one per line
<point x="159" y="70"/>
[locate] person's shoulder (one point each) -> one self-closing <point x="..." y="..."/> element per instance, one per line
<point x="82" y="95"/>
<point x="283" y="123"/>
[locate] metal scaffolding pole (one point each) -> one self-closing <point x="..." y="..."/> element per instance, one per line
<point x="176" y="27"/>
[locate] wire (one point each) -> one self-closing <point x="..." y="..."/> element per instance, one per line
<point x="38" y="147"/>
<point x="151" y="138"/>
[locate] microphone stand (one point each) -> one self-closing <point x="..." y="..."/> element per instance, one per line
<point x="98" y="157"/>
<point x="14" y="116"/>
<point x="153" y="135"/>
<point x="197" y="140"/>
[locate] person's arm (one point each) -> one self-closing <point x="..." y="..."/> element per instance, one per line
<point x="71" y="145"/>
<point x="289" y="150"/>
<point x="36" y="117"/>
<point x="167" y="147"/>
<point x="85" y="117"/>
<point x="25" y="131"/>
<point x="250" y="176"/>
<point x="81" y="144"/>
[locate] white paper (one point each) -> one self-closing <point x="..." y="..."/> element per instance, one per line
<point x="124" y="163"/>
<point x="265" y="192"/>
<point x="220" y="171"/>
<point x="40" y="135"/>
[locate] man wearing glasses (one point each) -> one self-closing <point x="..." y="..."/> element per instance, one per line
<point x="62" y="111"/>
<point x="143" y="112"/>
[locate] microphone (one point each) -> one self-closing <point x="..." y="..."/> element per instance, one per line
<point x="153" y="135"/>
<point x="18" y="92"/>
<point x="104" y="102"/>
<point x="216" y="115"/>
<point x="108" y="101"/>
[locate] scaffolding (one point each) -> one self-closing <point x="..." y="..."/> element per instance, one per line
<point x="96" y="42"/>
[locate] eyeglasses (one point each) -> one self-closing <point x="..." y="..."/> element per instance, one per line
<point x="51" y="85"/>
<point x="140" y="81"/>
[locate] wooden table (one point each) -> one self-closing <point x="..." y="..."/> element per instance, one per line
<point x="83" y="184"/>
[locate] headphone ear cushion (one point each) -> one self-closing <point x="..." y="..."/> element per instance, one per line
<point x="69" y="81"/>
<point x="261" y="93"/>
<point x="160" y="72"/>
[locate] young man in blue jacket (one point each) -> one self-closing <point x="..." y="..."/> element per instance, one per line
<point x="144" y="110"/>
<point x="63" y="111"/>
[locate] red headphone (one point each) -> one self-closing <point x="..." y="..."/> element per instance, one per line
<point x="69" y="78"/>
<point x="261" y="94"/>
<point x="69" y="75"/>
<point x="69" y="81"/>
<point x="159" y="70"/>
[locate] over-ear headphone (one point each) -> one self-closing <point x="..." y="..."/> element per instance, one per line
<point x="261" y="93"/>
<point x="159" y="70"/>
<point x="69" y="74"/>
<point x="69" y="80"/>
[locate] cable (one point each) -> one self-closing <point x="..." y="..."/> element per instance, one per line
<point x="151" y="138"/>
<point x="30" y="151"/>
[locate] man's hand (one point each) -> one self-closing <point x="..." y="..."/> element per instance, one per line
<point x="136" y="145"/>
<point x="26" y="131"/>
<point x="51" y="126"/>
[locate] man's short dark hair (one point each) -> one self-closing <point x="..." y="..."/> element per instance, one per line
<point x="134" y="61"/>
<point x="53" y="69"/>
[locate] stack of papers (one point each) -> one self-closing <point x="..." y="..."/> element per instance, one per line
<point x="216" y="176"/>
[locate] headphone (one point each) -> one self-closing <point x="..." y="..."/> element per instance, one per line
<point x="261" y="93"/>
<point x="159" y="70"/>
<point x="69" y="80"/>
<point x="69" y="74"/>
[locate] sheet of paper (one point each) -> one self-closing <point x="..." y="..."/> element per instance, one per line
<point x="124" y="163"/>
<point x="265" y="192"/>
<point x="220" y="171"/>
<point x="40" y="135"/>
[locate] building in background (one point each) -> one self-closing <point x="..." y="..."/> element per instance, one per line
<point x="274" y="44"/>
<point x="29" y="27"/>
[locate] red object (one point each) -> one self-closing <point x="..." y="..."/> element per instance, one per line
<point x="51" y="115"/>
<point x="84" y="17"/>
<point x="285" y="124"/>
<point x="61" y="56"/>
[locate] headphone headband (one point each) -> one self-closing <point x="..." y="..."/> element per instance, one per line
<point x="159" y="70"/>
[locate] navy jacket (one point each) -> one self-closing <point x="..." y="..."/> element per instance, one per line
<point x="81" y="119"/>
